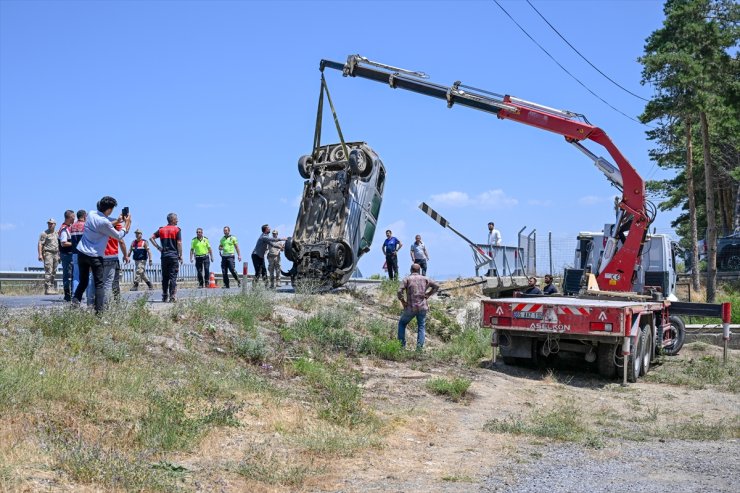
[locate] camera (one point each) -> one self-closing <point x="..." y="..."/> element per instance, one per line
<point x="124" y="212"/>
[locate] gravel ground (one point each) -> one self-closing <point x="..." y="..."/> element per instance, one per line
<point x="647" y="467"/>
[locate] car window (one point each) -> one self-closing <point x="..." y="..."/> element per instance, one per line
<point x="381" y="180"/>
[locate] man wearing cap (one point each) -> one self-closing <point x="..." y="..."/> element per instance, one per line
<point x="200" y="250"/>
<point x="49" y="254"/>
<point x="273" y="259"/>
<point x="140" y="252"/>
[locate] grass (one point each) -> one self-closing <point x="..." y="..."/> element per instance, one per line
<point x="271" y="466"/>
<point x="469" y="346"/>
<point x="454" y="389"/>
<point x="698" y="373"/>
<point x="328" y="440"/>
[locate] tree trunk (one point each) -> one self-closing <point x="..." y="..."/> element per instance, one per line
<point x="692" y="208"/>
<point x="711" y="237"/>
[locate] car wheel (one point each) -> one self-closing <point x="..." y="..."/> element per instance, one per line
<point x="678" y="334"/>
<point x="340" y="256"/>
<point x="304" y="166"/>
<point x="732" y="262"/>
<point x="292" y="249"/>
<point x="337" y="154"/>
<point x="360" y="164"/>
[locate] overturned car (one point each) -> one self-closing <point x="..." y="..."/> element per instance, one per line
<point x="338" y="213"/>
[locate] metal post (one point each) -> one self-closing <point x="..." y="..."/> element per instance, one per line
<point x="245" y="271"/>
<point x="625" y="358"/>
<point x="726" y="319"/>
<point x="494" y="345"/>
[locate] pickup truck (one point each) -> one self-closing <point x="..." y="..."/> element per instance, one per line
<point x="728" y="252"/>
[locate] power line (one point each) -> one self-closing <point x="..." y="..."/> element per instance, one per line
<point x="584" y="58"/>
<point x="565" y="69"/>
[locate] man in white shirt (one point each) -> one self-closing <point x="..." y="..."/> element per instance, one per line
<point x="494" y="236"/>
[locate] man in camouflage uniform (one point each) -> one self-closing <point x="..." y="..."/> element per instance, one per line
<point x="49" y="254"/>
<point x="140" y="252"/>
<point x="273" y="259"/>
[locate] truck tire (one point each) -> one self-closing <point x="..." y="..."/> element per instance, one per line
<point x="304" y="166"/>
<point x="605" y="363"/>
<point x="634" y="362"/>
<point x="678" y="334"/>
<point x="340" y="255"/>
<point x="647" y="348"/>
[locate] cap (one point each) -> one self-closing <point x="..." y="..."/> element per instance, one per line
<point x="137" y="231"/>
<point x="52" y="220"/>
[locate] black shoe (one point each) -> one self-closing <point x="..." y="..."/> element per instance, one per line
<point x="224" y="287"/>
<point x="238" y="284"/>
<point x="164" y="298"/>
<point x="200" y="286"/>
<point x="150" y="285"/>
<point x="134" y="288"/>
<point x="173" y="299"/>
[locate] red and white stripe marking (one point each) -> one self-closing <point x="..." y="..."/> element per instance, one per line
<point x="573" y="310"/>
<point x="528" y="307"/>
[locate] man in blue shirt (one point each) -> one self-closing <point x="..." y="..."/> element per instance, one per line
<point x="549" y="286"/>
<point x="391" y="246"/>
<point x="91" y="248"/>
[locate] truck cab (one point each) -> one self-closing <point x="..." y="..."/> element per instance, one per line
<point x="656" y="269"/>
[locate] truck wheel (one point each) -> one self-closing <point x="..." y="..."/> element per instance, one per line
<point x="732" y="262"/>
<point x="359" y="163"/>
<point x="605" y="360"/>
<point x="304" y="166"/>
<point x="634" y="363"/>
<point x="678" y="334"/>
<point x="647" y="348"/>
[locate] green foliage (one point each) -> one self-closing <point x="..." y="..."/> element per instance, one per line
<point x="251" y="349"/>
<point x="326" y="330"/>
<point x="388" y="349"/>
<point x="63" y="323"/>
<point x="266" y="465"/>
<point x="338" y="388"/>
<point x="92" y="463"/>
<point x="469" y="346"/>
<point x="698" y="373"/>
<point x="389" y="288"/>
<point x="454" y="389"/>
<point x="441" y="324"/>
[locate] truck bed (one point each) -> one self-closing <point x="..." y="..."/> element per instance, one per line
<point x="564" y="315"/>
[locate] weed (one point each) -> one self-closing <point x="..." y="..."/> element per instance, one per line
<point x="457" y="478"/>
<point x="697" y="373"/>
<point x="388" y="349"/>
<point x="470" y="346"/>
<point x="329" y="440"/>
<point x="327" y="330"/>
<point x="244" y="310"/>
<point x="441" y="324"/>
<point x="455" y="389"/>
<point x="92" y="463"/>
<point x="141" y="319"/>
<point x="267" y="465"/>
<point x="389" y="288"/>
<point x="63" y="323"/>
<point x="340" y="391"/>
<point x="251" y="349"/>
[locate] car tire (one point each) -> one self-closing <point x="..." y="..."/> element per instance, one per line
<point x="360" y="164"/>
<point x="678" y="334"/>
<point x="304" y="166"/>
<point x="292" y="248"/>
<point x="340" y="255"/>
<point x="731" y="261"/>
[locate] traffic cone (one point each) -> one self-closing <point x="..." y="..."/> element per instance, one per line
<point x="212" y="281"/>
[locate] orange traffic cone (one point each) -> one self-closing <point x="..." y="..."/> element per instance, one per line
<point x="212" y="281"/>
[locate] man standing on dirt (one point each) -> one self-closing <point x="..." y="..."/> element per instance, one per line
<point x="390" y="248"/>
<point x="226" y="248"/>
<point x="419" y="254"/>
<point x="171" y="250"/>
<point x="418" y="289"/>
<point x="49" y="254"/>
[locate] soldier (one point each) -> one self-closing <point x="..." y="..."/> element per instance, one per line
<point x="273" y="259"/>
<point x="49" y="254"/>
<point x="200" y="249"/>
<point x="140" y="252"/>
<point x="66" y="253"/>
<point x="260" y="249"/>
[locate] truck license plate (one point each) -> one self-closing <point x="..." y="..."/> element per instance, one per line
<point x="530" y="315"/>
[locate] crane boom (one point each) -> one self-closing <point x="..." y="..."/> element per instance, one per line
<point x="621" y="258"/>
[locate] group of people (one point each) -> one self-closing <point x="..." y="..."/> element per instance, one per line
<point x="90" y="246"/>
<point x="392" y="245"/>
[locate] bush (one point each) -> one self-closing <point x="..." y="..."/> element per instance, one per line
<point x="454" y="389"/>
<point x="251" y="349"/>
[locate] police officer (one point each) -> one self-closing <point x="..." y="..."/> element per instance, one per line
<point x="200" y="248"/>
<point x="49" y="254"/>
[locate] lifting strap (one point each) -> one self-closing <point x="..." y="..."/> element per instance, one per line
<point x="319" y="115"/>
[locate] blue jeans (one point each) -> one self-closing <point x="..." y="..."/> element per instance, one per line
<point x="421" y="322"/>
<point x="67" y="275"/>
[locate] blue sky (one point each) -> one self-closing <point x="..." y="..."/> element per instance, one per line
<point x="203" y="108"/>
